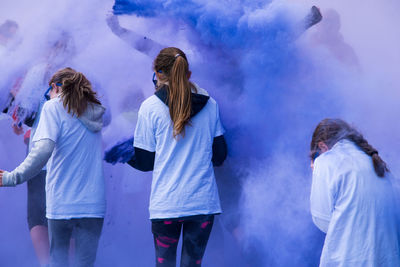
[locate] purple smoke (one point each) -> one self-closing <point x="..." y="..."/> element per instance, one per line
<point x="274" y="81"/>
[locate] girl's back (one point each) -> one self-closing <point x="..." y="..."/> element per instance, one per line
<point x="75" y="183"/>
<point x="183" y="170"/>
<point x="363" y="228"/>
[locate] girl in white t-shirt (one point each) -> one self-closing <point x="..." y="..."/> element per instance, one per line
<point x="68" y="139"/>
<point x="180" y="137"/>
<point x="352" y="199"/>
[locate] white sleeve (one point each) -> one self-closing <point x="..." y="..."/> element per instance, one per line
<point x="219" y="129"/>
<point x="144" y="136"/>
<point x="49" y="126"/>
<point x="322" y="224"/>
<point x="32" y="165"/>
<point x="322" y="197"/>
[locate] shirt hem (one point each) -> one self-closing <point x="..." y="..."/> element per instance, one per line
<point x="74" y="216"/>
<point x="320" y="215"/>
<point x="171" y="215"/>
<point x="139" y="145"/>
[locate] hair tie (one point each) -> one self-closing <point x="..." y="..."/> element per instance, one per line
<point x="177" y="55"/>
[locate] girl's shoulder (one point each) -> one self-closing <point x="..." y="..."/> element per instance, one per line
<point x="54" y="103"/>
<point x="55" y="106"/>
<point x="152" y="107"/>
<point x="150" y="103"/>
<point x="343" y="157"/>
<point x="332" y="158"/>
<point x="202" y="91"/>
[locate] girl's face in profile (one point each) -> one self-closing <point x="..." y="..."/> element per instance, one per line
<point x="322" y="148"/>
<point x="55" y="91"/>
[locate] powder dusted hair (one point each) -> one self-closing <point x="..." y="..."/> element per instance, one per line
<point x="174" y="67"/>
<point x="330" y="131"/>
<point x="76" y="90"/>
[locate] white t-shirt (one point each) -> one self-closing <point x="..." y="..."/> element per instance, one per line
<point x="183" y="177"/>
<point x="74" y="180"/>
<point x="359" y="207"/>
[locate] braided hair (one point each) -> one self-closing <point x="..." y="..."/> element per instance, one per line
<point x="330" y="131"/>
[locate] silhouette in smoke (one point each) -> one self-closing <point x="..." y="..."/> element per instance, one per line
<point x="328" y="35"/>
<point x="140" y="43"/>
<point x="27" y="92"/>
<point x="8" y="32"/>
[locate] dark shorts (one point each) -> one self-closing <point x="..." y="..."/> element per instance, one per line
<point x="37" y="200"/>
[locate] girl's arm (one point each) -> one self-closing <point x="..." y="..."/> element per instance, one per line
<point x="220" y="150"/>
<point x="125" y="152"/>
<point x="31" y="166"/>
<point x="139" y="42"/>
<point x="322" y="199"/>
<point x="142" y="160"/>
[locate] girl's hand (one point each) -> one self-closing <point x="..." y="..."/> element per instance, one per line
<point x="1" y="177"/>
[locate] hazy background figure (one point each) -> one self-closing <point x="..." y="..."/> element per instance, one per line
<point x="8" y="30"/>
<point x="327" y="35"/>
<point x="27" y="97"/>
<point x="270" y="97"/>
<point x="139" y="42"/>
<point x="8" y="43"/>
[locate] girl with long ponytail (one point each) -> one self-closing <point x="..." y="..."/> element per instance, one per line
<point x="68" y="139"/>
<point x="352" y="199"/>
<point x="179" y="135"/>
<point x="172" y="71"/>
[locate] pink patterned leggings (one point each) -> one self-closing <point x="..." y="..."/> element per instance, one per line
<point x="195" y="233"/>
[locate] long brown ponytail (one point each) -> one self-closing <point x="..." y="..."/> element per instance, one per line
<point x="330" y="131"/>
<point x="172" y="65"/>
<point x="76" y="90"/>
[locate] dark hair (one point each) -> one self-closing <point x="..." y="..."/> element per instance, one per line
<point x="330" y="131"/>
<point x="173" y="67"/>
<point x="76" y="90"/>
